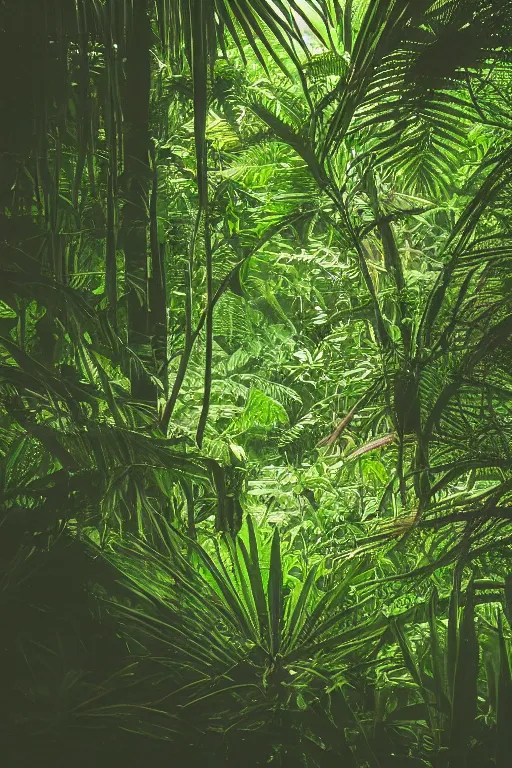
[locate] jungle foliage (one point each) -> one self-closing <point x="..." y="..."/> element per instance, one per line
<point x="256" y="383"/>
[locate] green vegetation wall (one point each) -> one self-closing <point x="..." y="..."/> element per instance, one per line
<point x="256" y="380"/>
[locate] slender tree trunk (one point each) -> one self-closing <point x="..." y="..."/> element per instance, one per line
<point x="157" y="287"/>
<point x="112" y="129"/>
<point x="137" y="180"/>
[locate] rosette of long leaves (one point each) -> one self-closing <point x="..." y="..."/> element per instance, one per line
<point x="240" y="642"/>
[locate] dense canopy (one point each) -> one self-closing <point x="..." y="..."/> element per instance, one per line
<point x="256" y="383"/>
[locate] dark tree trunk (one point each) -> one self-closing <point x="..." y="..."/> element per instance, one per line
<point x="157" y="288"/>
<point x="137" y="180"/>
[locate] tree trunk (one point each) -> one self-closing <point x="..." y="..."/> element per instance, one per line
<point x="157" y="289"/>
<point x="137" y="180"/>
